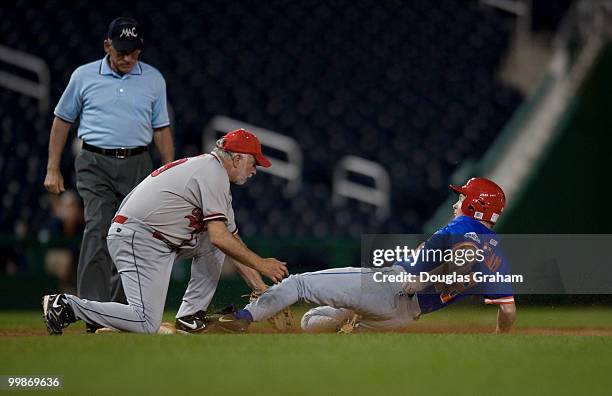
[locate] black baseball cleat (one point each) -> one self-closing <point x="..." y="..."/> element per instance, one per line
<point x="191" y="324"/>
<point x="231" y="324"/>
<point x="57" y="313"/>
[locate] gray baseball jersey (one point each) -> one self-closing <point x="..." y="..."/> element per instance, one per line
<point x="178" y="199"/>
<point x="167" y="210"/>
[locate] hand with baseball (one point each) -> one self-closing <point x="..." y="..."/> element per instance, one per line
<point x="236" y="249"/>
<point x="273" y="269"/>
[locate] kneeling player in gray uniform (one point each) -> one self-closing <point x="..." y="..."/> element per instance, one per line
<point x="183" y="208"/>
<point x="343" y="293"/>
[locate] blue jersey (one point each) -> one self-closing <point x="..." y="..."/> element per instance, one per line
<point x="459" y="233"/>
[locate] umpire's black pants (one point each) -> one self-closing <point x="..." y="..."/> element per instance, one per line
<point x="103" y="182"/>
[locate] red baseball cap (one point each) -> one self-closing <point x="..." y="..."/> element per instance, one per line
<point x="244" y="142"/>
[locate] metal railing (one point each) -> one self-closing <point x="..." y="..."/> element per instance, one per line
<point x="289" y="168"/>
<point x="38" y="90"/>
<point x="378" y="195"/>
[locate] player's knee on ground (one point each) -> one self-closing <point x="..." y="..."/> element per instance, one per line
<point x="324" y="319"/>
<point x="149" y="325"/>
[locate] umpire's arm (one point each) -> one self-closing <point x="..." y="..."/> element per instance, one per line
<point x="506" y="315"/>
<point x="164" y="143"/>
<point x="54" y="181"/>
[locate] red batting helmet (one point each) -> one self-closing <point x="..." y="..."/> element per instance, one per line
<point x="484" y="200"/>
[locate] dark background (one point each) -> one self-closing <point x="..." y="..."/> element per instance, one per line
<point x="411" y="85"/>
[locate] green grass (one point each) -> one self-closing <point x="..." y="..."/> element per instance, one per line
<point x="527" y="317"/>
<point x="301" y="364"/>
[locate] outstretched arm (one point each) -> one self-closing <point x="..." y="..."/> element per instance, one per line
<point x="230" y="245"/>
<point x="505" y="317"/>
<point x="250" y="276"/>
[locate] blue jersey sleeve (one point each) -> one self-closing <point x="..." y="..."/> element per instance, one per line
<point x="498" y="292"/>
<point x="437" y="241"/>
<point x="160" y="117"/>
<point x="70" y="104"/>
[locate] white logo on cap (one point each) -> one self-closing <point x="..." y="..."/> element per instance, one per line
<point x="129" y="32"/>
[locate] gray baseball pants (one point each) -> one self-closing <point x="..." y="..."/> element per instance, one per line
<point x="341" y="292"/>
<point x="103" y="182"/>
<point x="206" y="265"/>
<point x="144" y="264"/>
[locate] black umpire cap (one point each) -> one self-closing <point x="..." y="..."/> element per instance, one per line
<point x="125" y="34"/>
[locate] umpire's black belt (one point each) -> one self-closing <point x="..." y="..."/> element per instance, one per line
<point x="116" y="152"/>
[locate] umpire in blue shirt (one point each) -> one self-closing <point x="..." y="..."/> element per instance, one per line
<point x="121" y="105"/>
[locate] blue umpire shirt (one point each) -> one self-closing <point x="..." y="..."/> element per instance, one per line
<point x="115" y="111"/>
